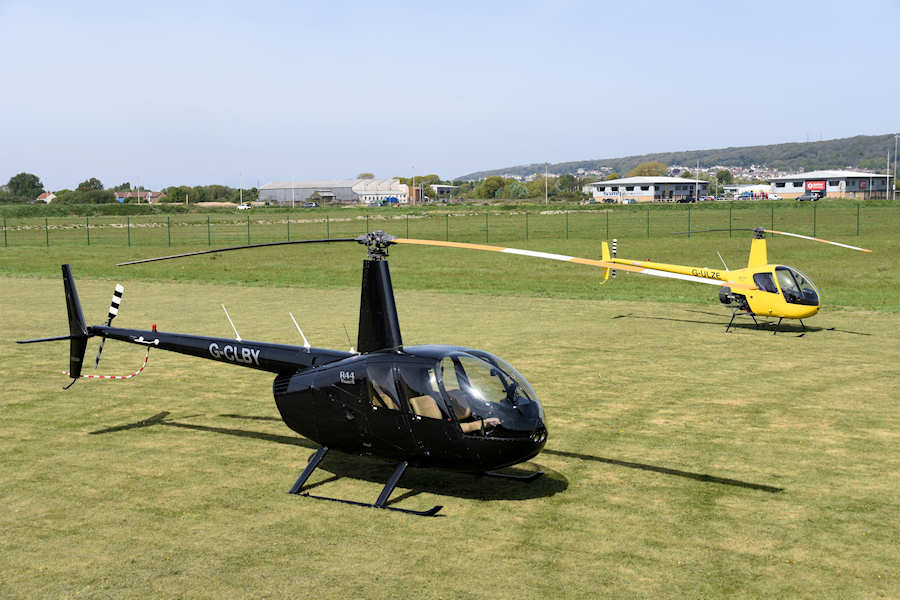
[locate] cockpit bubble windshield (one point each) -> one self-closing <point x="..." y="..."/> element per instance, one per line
<point x="488" y="395"/>
<point x="797" y="287"/>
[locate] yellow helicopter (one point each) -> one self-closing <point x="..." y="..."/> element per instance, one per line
<point x="760" y="289"/>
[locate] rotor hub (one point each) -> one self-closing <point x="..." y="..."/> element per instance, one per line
<point x="377" y="243"/>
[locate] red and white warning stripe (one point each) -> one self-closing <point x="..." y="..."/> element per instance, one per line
<point x="135" y="374"/>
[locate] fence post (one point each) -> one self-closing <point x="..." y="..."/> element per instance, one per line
<point x="327" y="228"/>
<point x="857" y="220"/>
<point x="648" y="222"/>
<point x="367" y="224"/>
<point x="567" y="224"/>
<point x="208" y="232"/>
<point x="169" y="229"/>
<point x="730" y="207"/>
<point x="447" y="227"/>
<point x="607" y="223"/>
<point x="248" y="229"/>
<point x="47" y="232"/>
<point x="87" y="228"/>
<point x="526" y="225"/>
<point x="486" y="228"/>
<point x="5" y="243"/>
<point x="689" y="220"/>
<point x="814" y="220"/>
<point x="772" y="224"/>
<point x="289" y="227"/>
<point x="128" y="227"/>
<point x="407" y="225"/>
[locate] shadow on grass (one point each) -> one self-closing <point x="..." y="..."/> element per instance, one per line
<point x="376" y="470"/>
<point x="667" y="471"/>
<point x="765" y="326"/>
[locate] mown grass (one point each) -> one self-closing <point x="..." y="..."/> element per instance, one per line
<point x="845" y="278"/>
<point x="682" y="462"/>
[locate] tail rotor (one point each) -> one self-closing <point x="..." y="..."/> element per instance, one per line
<point x="113" y="313"/>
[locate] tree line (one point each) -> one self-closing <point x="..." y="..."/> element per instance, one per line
<point x="862" y="151"/>
<point x="26" y="187"/>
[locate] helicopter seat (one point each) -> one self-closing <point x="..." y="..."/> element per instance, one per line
<point x="425" y="406"/>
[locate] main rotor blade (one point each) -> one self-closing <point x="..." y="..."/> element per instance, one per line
<point x="711" y="230"/>
<point x="214" y="250"/>
<point x="758" y="229"/>
<point x="573" y="259"/>
<point x="806" y="237"/>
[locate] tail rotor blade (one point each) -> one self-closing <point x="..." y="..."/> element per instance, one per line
<point x="114" y="304"/>
<point x="99" y="352"/>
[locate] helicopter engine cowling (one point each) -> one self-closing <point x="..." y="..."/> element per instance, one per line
<point x="726" y="296"/>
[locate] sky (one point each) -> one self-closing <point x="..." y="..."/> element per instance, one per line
<point x="245" y="93"/>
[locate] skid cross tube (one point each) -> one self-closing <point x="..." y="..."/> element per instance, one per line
<point x="400" y="469"/>
<point x="735" y="313"/>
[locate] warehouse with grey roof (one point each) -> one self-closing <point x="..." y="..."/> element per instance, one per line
<point x="341" y="191"/>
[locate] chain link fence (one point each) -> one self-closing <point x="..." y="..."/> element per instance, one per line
<point x="198" y="230"/>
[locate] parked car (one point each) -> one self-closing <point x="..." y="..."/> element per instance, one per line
<point x="812" y="197"/>
<point x="310" y="205"/>
<point x="244" y="206"/>
<point x="774" y="197"/>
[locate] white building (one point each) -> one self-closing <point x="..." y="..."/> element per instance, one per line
<point x="747" y="190"/>
<point x="343" y="191"/>
<point x="835" y="184"/>
<point x="648" y="189"/>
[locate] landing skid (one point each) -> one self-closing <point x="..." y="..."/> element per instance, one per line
<point x="778" y="327"/>
<point x="736" y="313"/>
<point x="316" y="458"/>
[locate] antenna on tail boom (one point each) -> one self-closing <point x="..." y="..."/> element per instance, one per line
<point x="227" y="316"/>
<point x="305" y="341"/>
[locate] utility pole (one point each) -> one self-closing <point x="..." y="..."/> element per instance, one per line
<point x="894" y="196"/>
<point x="697" y="183"/>
<point x="546" y="192"/>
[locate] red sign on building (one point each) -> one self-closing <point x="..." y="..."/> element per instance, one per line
<point x="815" y="186"/>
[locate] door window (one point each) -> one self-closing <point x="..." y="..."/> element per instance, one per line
<point x="765" y="282"/>
<point x="382" y="393"/>
<point x="419" y="386"/>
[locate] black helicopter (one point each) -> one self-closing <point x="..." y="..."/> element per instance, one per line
<point x="448" y="407"/>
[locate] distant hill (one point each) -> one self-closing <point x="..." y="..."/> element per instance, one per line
<point x="861" y="151"/>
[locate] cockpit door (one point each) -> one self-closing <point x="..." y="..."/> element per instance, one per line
<point x="387" y="420"/>
<point x="431" y="425"/>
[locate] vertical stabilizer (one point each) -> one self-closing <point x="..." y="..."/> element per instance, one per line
<point x="605" y="256"/>
<point x="77" y="329"/>
<point x="379" y="327"/>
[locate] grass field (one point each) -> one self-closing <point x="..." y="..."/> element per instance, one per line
<point x="682" y="462"/>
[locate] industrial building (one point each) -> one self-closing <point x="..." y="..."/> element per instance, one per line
<point x="342" y="191"/>
<point x="648" y="189"/>
<point x="833" y="184"/>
